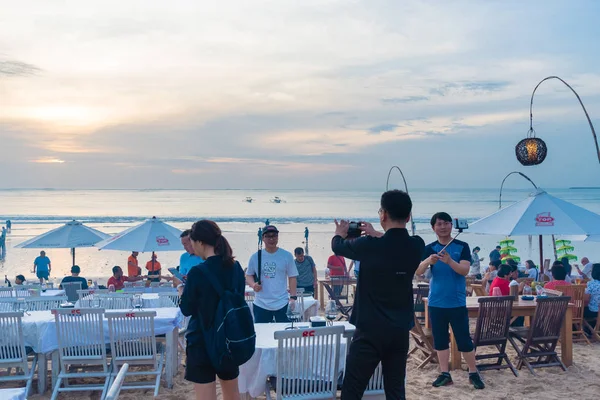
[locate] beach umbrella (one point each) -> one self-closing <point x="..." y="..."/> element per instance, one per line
<point x="71" y="235"/>
<point x="151" y="235"/>
<point x="539" y="214"/>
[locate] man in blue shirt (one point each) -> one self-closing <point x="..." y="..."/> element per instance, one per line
<point x="42" y="267"/>
<point x="448" y="297"/>
<point x="188" y="259"/>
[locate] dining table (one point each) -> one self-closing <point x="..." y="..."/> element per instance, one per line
<point x="521" y="308"/>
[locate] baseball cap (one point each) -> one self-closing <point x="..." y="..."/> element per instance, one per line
<point x="269" y="229"/>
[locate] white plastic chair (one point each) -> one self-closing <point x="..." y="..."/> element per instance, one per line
<point x="9" y="304"/>
<point x="22" y="291"/>
<point x="169" y="299"/>
<point x="87" y="297"/>
<point x="249" y="296"/>
<point x="308" y="363"/>
<point x="115" y="388"/>
<point x="133" y="342"/>
<point x="81" y="342"/>
<point x="71" y="289"/>
<point x="7" y="292"/>
<point x="12" y="349"/>
<point x="115" y="301"/>
<point x="163" y="289"/>
<point x="375" y="386"/>
<point x="44" y="303"/>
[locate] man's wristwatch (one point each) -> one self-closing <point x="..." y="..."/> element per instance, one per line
<point x="294" y="297"/>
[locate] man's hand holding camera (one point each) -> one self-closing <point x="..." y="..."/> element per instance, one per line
<point x="341" y="228"/>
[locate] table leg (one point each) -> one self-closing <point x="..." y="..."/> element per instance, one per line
<point x="321" y="297"/>
<point x="427" y="324"/>
<point x="455" y="358"/>
<point x="42" y="372"/>
<point x="566" y="338"/>
<point x="169" y="364"/>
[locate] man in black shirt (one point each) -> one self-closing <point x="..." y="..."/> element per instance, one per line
<point x="383" y="307"/>
<point x="75" y="271"/>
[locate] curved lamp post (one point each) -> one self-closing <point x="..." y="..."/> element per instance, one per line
<point x="540" y="238"/>
<point x="387" y="187"/>
<point x="532" y="150"/>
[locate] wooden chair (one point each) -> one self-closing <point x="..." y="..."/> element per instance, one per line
<point x="540" y="340"/>
<point x="308" y="362"/>
<point x="13" y="353"/>
<point x="576" y="292"/>
<point x="7" y="292"/>
<point x="423" y="339"/>
<point x="594" y="329"/>
<point x="493" y="323"/>
<point x="341" y="287"/>
<point x="469" y="281"/>
<point x="375" y="387"/>
<point x="422" y="292"/>
<point x="553" y="293"/>
<point x="342" y="309"/>
<point x="71" y="289"/>
<point x="44" y="303"/>
<point x="479" y="290"/>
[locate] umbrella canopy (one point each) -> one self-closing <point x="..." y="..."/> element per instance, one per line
<point x="539" y="214"/>
<point x="71" y="235"/>
<point x="151" y="235"/>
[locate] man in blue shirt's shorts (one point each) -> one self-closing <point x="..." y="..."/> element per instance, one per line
<point x="448" y="298"/>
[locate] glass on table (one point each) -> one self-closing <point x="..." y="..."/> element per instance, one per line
<point x="331" y="312"/>
<point x="527" y="291"/>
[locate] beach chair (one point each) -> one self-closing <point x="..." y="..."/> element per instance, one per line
<point x="422" y="292"/>
<point x="12" y="350"/>
<point x="492" y="328"/>
<point x="115" y="389"/>
<point x="133" y="342"/>
<point x="88" y="298"/>
<point x="341" y="286"/>
<point x="553" y="293"/>
<point x="115" y="301"/>
<point x="375" y="388"/>
<point x="423" y="339"/>
<point x="308" y="363"/>
<point x="540" y="339"/>
<point x="7" y="292"/>
<point x="342" y="309"/>
<point x="576" y="293"/>
<point x="71" y="289"/>
<point x="594" y="329"/>
<point x="168" y="299"/>
<point x="44" y="303"/>
<point x="81" y="344"/>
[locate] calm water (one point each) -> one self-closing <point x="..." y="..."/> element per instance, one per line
<point x="36" y="211"/>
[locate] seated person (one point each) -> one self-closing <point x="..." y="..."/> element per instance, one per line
<point x="118" y="279"/>
<point x="559" y="273"/>
<point x="75" y="271"/>
<point x="514" y="275"/>
<point x="502" y="280"/>
<point x="153" y="267"/>
<point x="592" y="294"/>
<point x="491" y="273"/>
<point x="531" y="270"/>
<point x="20" y="280"/>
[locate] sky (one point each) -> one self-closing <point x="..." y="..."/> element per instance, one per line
<point x="318" y="94"/>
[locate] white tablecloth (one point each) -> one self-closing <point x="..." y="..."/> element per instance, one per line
<point x="39" y="327"/>
<point x="254" y="373"/>
<point x="13" y="394"/>
<point x="52" y="293"/>
<point x="150" y="300"/>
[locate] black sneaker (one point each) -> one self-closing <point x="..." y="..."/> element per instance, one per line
<point x="443" y="380"/>
<point x="475" y="380"/>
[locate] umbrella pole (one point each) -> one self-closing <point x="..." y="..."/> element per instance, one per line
<point x="541" y="255"/>
<point x="554" y="246"/>
<point x="73" y="255"/>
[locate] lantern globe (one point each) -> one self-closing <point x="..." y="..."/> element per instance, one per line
<point x="531" y="151"/>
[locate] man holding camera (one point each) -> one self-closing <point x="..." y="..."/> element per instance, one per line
<point x="449" y="261"/>
<point x="383" y="307"/>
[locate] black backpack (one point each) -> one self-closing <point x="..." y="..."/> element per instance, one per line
<point x="231" y="340"/>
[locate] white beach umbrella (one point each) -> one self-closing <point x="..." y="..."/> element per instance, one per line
<point x="71" y="235"/>
<point x="151" y="235"/>
<point x="539" y="214"/>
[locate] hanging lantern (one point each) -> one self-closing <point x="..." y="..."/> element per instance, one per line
<point x="532" y="150"/>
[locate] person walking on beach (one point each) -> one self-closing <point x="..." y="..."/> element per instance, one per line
<point x="8" y="225"/>
<point x="307" y="271"/>
<point x="188" y="260"/>
<point x="3" y="244"/>
<point x="199" y="300"/>
<point x="277" y="270"/>
<point x="132" y="265"/>
<point x="448" y="298"/>
<point x="495" y="254"/>
<point x="42" y="267"/>
<point x="383" y="308"/>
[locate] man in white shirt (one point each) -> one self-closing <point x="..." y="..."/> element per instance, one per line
<point x="587" y="268"/>
<point x="277" y="271"/>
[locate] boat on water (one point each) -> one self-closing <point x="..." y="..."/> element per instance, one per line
<point x="277" y="200"/>
<point x="248" y="199"/>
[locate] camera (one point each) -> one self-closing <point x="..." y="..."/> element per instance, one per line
<point x="461" y="224"/>
<point x="354" y="230"/>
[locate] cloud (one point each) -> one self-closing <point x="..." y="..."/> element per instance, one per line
<point x="404" y="100"/>
<point x="17" y="68"/>
<point x="382" y="128"/>
<point x="48" y="160"/>
<point x="473" y="87"/>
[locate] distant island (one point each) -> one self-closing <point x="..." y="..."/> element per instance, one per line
<point x="584" y="187"/>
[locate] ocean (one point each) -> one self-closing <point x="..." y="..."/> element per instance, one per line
<point x="33" y="212"/>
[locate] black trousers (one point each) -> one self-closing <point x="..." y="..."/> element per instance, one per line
<point x="368" y="349"/>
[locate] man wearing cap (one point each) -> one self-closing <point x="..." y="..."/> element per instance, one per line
<point x="277" y="271"/>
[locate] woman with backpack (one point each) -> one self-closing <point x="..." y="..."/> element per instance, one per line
<point x="200" y="300"/>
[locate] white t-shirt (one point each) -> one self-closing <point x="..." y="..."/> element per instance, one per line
<point x="275" y="270"/>
<point x="587" y="270"/>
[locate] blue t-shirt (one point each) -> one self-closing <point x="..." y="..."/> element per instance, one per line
<point x="187" y="261"/>
<point x="448" y="289"/>
<point x="42" y="263"/>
